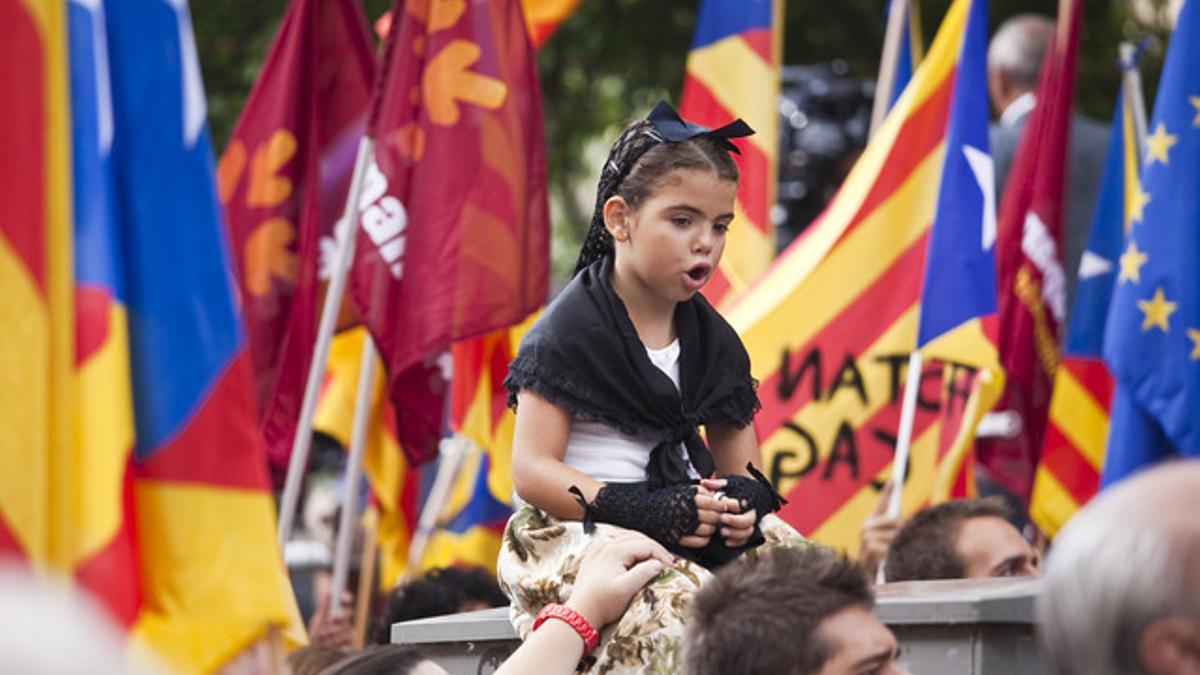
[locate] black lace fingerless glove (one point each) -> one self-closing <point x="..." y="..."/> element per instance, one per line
<point x="664" y="513"/>
<point x="754" y="493"/>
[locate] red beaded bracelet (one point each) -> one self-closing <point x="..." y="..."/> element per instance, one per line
<point x="573" y="619"/>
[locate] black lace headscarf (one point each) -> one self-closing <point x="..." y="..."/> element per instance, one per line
<point x="662" y="125"/>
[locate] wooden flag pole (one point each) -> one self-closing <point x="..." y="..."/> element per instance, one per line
<point x="302" y="443"/>
<point x="354" y="472"/>
<point x="366" y="578"/>
<point x="897" y="17"/>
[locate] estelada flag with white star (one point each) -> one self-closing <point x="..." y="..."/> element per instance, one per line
<point x="1152" y="340"/>
<point x="1031" y="280"/>
<point x="831" y="324"/>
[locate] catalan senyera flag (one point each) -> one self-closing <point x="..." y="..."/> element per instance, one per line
<point x="830" y="326"/>
<point x="395" y="485"/>
<point x="37" y="349"/>
<point x="1031" y="278"/>
<point x="1152" y="338"/>
<point x="453" y="240"/>
<point x="733" y="71"/>
<point x="148" y="485"/>
<point x="1068" y="473"/>
<point x="283" y="181"/>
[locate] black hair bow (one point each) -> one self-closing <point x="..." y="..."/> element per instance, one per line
<point x="674" y="129"/>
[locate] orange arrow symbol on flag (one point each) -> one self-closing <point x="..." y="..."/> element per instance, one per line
<point x="447" y="80"/>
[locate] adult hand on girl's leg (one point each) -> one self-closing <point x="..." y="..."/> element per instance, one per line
<point x="613" y="570"/>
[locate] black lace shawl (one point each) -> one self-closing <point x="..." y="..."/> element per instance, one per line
<point x="584" y="356"/>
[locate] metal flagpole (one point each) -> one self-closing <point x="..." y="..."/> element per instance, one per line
<point x="1131" y="84"/>
<point x="358" y="441"/>
<point x="302" y="443"/>
<point x="452" y="452"/>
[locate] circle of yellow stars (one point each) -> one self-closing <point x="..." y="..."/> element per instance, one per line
<point x="1157" y="310"/>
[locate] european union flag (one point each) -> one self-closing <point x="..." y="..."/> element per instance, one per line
<point x="960" y="272"/>
<point x="1152" y="340"/>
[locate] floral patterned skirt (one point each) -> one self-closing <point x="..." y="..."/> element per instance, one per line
<point x="540" y="556"/>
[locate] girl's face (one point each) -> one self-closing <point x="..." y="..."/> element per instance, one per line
<point x="671" y="244"/>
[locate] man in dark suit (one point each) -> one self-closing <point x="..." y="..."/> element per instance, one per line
<point x="1015" y="57"/>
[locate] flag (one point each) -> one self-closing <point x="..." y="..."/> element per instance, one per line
<point x="1152" y="338"/>
<point x="454" y="233"/>
<point x="733" y="71"/>
<point x="1032" y="281"/>
<point x="542" y="18"/>
<point x="472" y="521"/>
<point x="830" y="326"/>
<point x="908" y="57"/>
<point x="37" y="348"/>
<point x="212" y="575"/>
<point x="395" y="484"/>
<point x="283" y="181"/>
<point x="1072" y="457"/>
<point x="159" y="500"/>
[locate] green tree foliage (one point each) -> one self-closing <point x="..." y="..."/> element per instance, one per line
<point x="614" y="58"/>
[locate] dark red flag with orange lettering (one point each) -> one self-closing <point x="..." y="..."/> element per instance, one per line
<point x="283" y="180"/>
<point x="453" y="239"/>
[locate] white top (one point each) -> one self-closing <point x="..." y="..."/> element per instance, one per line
<point x="610" y="456"/>
<point x="1018" y="109"/>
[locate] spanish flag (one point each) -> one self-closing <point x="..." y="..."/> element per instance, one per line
<point x="831" y="325"/>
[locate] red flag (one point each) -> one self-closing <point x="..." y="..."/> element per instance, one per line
<point x="1032" y="281"/>
<point x="283" y="181"/>
<point x="454" y="234"/>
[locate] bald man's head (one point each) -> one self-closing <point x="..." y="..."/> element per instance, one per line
<point x="1123" y="579"/>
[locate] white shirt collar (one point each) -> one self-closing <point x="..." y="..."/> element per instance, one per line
<point x="1017" y="110"/>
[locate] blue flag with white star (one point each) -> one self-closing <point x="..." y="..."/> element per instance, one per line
<point x="1152" y="339"/>
<point x="960" y="272"/>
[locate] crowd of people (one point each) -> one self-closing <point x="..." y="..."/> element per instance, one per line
<point x="1120" y="594"/>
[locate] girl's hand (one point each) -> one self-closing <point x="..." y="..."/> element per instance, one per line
<point x="736" y="527"/>
<point x="709" y="509"/>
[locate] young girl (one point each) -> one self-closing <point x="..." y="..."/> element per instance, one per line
<point x="614" y="380"/>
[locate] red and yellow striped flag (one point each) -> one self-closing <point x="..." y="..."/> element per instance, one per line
<point x="733" y="71"/>
<point x="830" y="327"/>
<point x="37" y="354"/>
<point x="1073" y="452"/>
